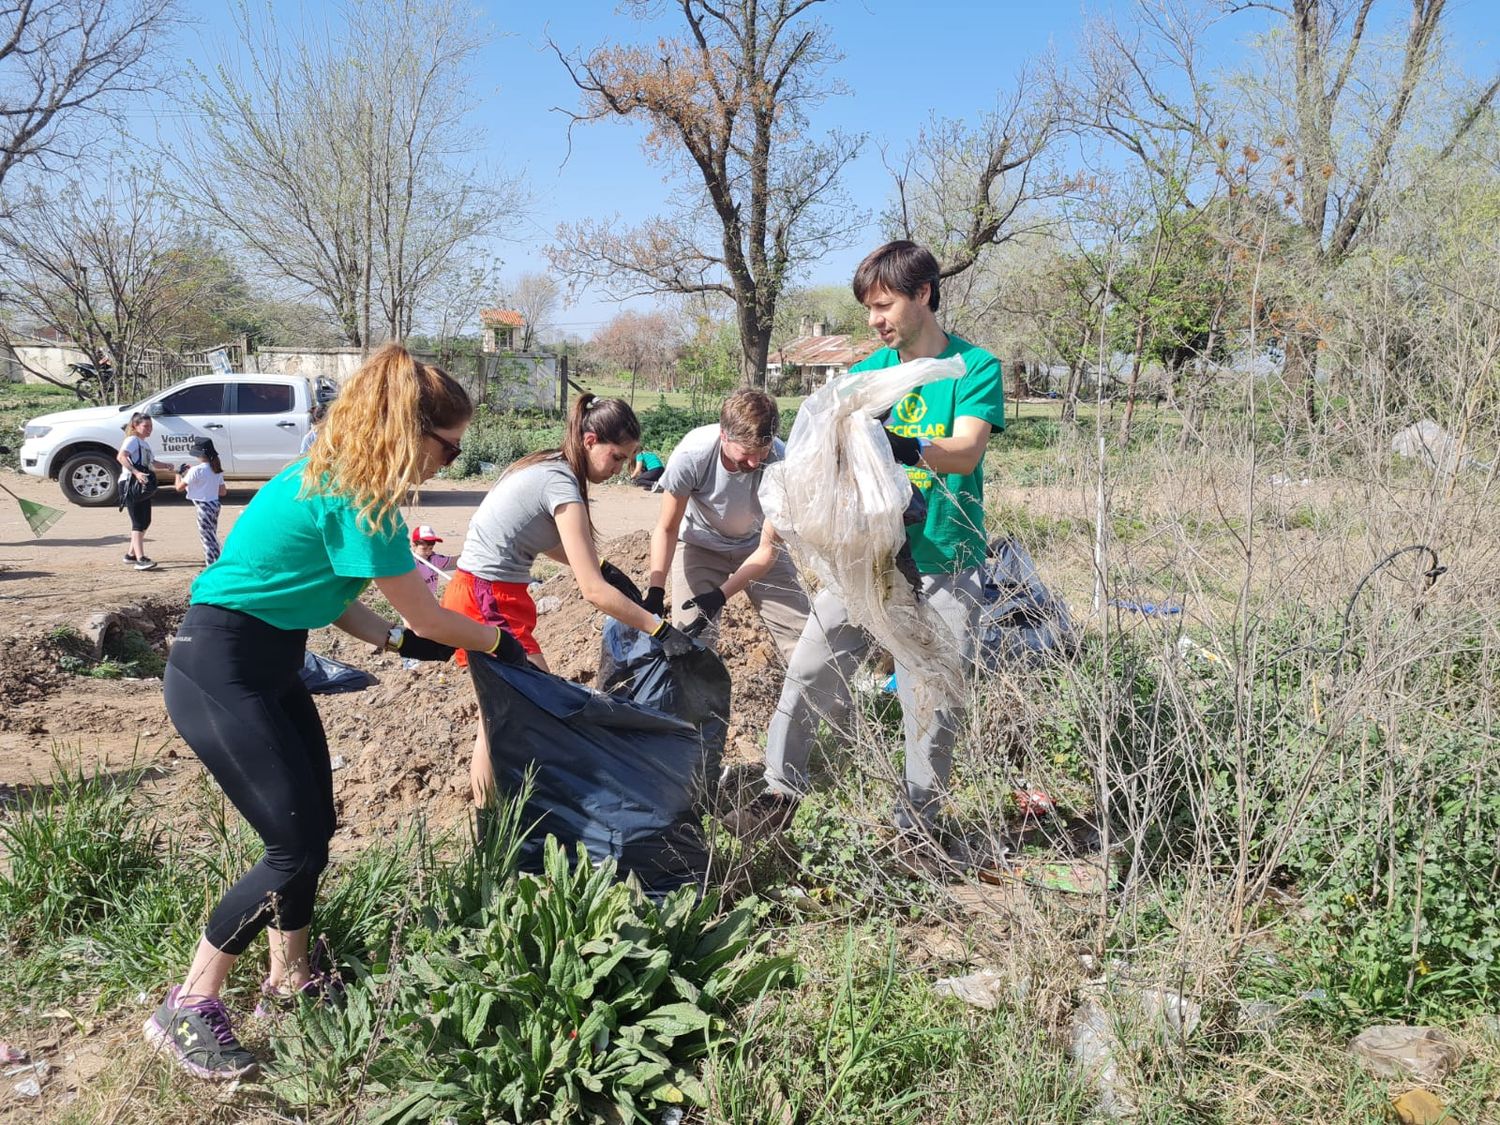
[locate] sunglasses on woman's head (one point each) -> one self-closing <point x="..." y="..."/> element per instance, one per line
<point x="450" y="449"/>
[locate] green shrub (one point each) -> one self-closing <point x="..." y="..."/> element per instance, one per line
<point x="561" y="996"/>
<point x="1404" y="893"/>
<point x="501" y="437"/>
<point x="663" y="426"/>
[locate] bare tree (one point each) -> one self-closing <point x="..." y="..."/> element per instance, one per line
<point x="335" y="158"/>
<point x="453" y="306"/>
<point x="961" y="191"/>
<point x="730" y="99"/>
<point x="640" y="343"/>
<point x="116" y="269"/>
<point x="1343" y="121"/>
<point x="535" y="296"/>
<point x="64" y="61"/>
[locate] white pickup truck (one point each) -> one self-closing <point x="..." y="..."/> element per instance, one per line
<point x="256" y="423"/>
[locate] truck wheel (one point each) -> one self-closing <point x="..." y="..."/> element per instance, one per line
<point x="90" y="479"/>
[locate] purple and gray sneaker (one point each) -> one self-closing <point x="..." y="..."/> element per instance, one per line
<point x="325" y="986"/>
<point x="195" y="1029"/>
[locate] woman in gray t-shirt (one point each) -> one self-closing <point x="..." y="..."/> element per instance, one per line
<point x="540" y="507"/>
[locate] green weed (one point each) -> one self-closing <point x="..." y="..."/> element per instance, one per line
<point x="75" y="848"/>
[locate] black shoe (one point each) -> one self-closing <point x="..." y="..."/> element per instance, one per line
<point x="769" y="814"/>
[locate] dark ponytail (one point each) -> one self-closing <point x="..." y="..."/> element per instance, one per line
<point x="610" y="420"/>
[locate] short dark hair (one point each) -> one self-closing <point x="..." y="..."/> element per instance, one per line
<point x="901" y="267"/>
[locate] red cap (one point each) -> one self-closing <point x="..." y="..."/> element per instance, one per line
<point x="425" y="534"/>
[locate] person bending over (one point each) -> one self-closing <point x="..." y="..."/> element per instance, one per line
<point x="711" y="525"/>
<point x="298" y="558"/>
<point x="540" y="506"/>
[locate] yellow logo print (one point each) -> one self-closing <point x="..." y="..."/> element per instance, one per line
<point x="911" y="409"/>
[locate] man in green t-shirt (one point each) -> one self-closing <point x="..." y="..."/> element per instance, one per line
<point x="939" y="432"/>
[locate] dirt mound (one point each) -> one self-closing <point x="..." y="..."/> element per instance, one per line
<point x="28" y="673"/>
<point x="35" y="666"/>
<point x="400" y="747"/>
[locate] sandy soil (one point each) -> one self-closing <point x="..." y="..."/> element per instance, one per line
<point x="400" y="746"/>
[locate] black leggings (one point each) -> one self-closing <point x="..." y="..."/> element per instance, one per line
<point x="234" y="694"/>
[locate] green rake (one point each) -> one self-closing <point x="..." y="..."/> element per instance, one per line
<point x="39" y="517"/>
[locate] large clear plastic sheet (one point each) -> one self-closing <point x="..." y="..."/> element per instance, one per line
<point x="837" y="499"/>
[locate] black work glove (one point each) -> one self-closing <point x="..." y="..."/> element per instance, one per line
<point x="906" y="566"/>
<point x="907" y="450"/>
<point x="620" y="581"/>
<point x="508" y="650"/>
<point x="674" y="642"/>
<point x="709" y="604"/>
<point x="655" y="601"/>
<point x="414" y="646"/>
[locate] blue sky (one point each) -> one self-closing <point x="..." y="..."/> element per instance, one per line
<point x="903" y="60"/>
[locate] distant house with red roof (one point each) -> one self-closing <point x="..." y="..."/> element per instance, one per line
<point x="815" y="356"/>
<point x="501" y="330"/>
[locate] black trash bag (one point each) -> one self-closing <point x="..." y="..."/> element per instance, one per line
<point x="618" y="777"/>
<point x="324" y="675"/>
<point x="132" y="491"/>
<point x="1023" y="622"/>
<point x="694" y="688"/>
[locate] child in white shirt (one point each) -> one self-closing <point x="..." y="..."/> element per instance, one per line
<point x="204" y="485"/>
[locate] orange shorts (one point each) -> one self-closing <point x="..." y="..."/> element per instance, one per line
<point x="506" y="604"/>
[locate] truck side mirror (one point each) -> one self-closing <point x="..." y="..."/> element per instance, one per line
<point x="156" y="409"/>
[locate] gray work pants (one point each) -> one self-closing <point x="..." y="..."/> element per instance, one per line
<point x="778" y="597"/>
<point x="817" y="687"/>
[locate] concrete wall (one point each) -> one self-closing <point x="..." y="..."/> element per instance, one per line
<point x="501" y="380"/>
<point x="53" y="359"/>
<point x="335" y="363"/>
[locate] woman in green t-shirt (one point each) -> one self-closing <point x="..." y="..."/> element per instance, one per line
<point x="299" y="557"/>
